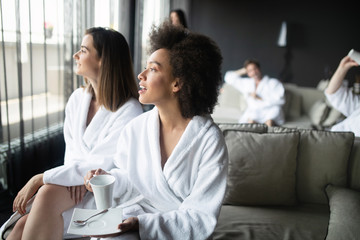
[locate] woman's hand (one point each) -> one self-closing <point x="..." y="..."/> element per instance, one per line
<point x="90" y="174"/>
<point x="336" y="80"/>
<point x="26" y="193"/>
<point x="346" y="63"/>
<point x="130" y="224"/>
<point x="77" y="193"/>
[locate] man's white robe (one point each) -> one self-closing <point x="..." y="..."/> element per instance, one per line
<point x="348" y="103"/>
<point x="270" y="90"/>
<point x="183" y="200"/>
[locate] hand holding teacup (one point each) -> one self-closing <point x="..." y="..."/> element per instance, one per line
<point x="90" y="174"/>
<point x="101" y="184"/>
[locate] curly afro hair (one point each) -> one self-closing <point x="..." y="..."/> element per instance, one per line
<point x="196" y="60"/>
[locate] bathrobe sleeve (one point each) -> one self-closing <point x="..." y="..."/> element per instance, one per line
<point x="348" y="104"/>
<point x="344" y="100"/>
<point x="244" y="85"/>
<point x="98" y="151"/>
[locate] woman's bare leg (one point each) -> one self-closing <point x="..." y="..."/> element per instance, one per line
<point x="45" y="219"/>
<point x="18" y="229"/>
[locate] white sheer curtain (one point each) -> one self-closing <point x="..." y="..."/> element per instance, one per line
<point x="155" y="11"/>
<point x="38" y="40"/>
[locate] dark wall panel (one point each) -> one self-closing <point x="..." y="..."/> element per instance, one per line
<point x="319" y="35"/>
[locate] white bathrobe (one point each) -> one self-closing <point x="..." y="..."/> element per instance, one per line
<point x="183" y="200"/>
<point x="270" y="90"/>
<point x="346" y="102"/>
<point x="88" y="147"/>
<point x="93" y="146"/>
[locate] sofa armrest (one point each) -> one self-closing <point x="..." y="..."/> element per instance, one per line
<point x="344" y="213"/>
<point x="354" y="165"/>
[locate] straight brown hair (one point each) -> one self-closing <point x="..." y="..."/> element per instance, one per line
<point x="117" y="81"/>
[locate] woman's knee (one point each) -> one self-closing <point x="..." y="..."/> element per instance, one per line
<point x="50" y="195"/>
<point x="48" y="191"/>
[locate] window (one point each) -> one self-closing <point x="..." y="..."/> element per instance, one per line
<point x="38" y="40"/>
<point x="31" y="66"/>
<point x="155" y="11"/>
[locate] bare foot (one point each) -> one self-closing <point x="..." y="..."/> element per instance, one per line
<point x="270" y="123"/>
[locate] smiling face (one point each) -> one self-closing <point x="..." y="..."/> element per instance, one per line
<point x="87" y="60"/>
<point x="157" y="84"/>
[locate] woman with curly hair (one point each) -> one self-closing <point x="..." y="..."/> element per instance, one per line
<point x="175" y="159"/>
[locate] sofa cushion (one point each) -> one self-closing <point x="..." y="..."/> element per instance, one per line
<point x="323" y="158"/>
<point x="247" y="127"/>
<point x="300" y="222"/>
<point x="292" y="106"/>
<point x="262" y="168"/>
<point x="344" y="213"/>
<point x="333" y="117"/>
<point x="323" y="115"/>
<point x="231" y="97"/>
<point x="318" y="113"/>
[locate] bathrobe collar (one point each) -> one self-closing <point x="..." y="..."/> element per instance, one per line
<point x="193" y="132"/>
<point x="88" y="136"/>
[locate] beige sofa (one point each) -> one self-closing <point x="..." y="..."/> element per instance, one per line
<point x="290" y="183"/>
<point x="305" y="107"/>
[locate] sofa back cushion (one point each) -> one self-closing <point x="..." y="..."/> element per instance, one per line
<point x="262" y="167"/>
<point x="292" y="107"/>
<point x="245" y="127"/>
<point x="323" y="115"/>
<point x="231" y="97"/>
<point x="322" y="159"/>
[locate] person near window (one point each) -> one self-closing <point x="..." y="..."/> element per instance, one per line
<point x="175" y="156"/>
<point x="343" y="99"/>
<point x="95" y="115"/>
<point x="177" y="17"/>
<point x="264" y="96"/>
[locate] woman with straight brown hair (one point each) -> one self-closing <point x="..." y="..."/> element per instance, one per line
<point x="94" y="118"/>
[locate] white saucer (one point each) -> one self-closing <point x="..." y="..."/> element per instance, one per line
<point x="102" y="224"/>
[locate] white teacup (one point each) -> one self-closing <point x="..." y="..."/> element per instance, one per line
<point x="354" y="55"/>
<point x="102" y="186"/>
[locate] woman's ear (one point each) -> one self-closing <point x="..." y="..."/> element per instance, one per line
<point x="176" y="85"/>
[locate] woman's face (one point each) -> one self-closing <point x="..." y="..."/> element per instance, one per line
<point x="175" y="19"/>
<point x="157" y="84"/>
<point x="87" y="60"/>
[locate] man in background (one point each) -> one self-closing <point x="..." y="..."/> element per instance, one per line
<point x="264" y="95"/>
